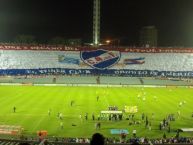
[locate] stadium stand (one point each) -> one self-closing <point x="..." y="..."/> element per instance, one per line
<point x="133" y="67"/>
<point x="78" y="141"/>
<point x="13" y="59"/>
<point x="106" y="80"/>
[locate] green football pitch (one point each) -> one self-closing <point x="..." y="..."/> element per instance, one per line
<point x="33" y="103"/>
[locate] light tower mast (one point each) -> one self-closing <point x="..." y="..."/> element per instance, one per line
<point x="96" y="23"/>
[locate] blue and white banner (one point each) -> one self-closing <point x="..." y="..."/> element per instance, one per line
<point x="140" y="60"/>
<point x="101" y="61"/>
<point x="68" y="60"/>
<point x="129" y="73"/>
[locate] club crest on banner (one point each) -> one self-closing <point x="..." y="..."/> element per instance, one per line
<point x="100" y="59"/>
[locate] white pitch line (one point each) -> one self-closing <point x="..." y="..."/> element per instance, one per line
<point x="106" y="100"/>
<point x="37" y="124"/>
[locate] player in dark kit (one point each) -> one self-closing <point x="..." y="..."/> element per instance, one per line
<point x="71" y="103"/>
<point x="97" y="98"/>
<point x="86" y="116"/>
<point x="49" y="112"/>
<point x="14" y="109"/>
<point x="93" y="117"/>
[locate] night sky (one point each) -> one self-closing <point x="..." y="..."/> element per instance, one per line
<point x="120" y="19"/>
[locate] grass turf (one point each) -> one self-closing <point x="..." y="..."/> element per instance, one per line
<point x="33" y="102"/>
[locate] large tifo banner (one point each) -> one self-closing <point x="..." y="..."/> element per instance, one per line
<point x="99" y="61"/>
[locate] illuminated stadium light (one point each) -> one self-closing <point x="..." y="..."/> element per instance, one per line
<point x="108" y="41"/>
<point x="96" y="22"/>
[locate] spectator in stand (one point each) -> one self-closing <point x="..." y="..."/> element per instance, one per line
<point x="24" y="143"/>
<point x="135" y="143"/>
<point x="97" y="139"/>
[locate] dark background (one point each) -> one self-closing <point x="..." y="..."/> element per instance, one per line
<point x="120" y="19"/>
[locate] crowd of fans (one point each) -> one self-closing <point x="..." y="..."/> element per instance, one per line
<point x="142" y="140"/>
<point x="38" y="60"/>
<point x="122" y="139"/>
